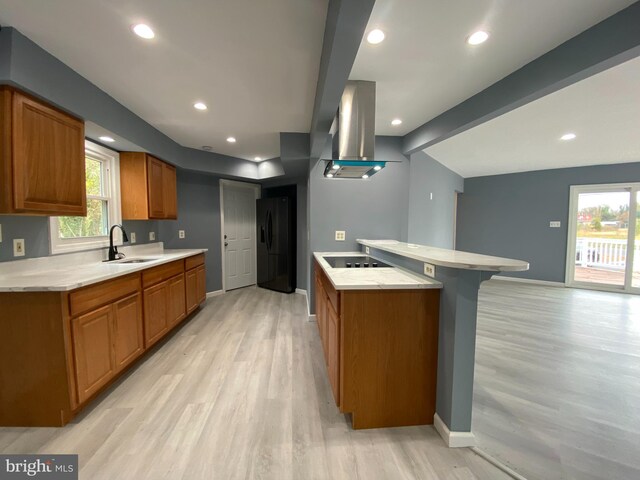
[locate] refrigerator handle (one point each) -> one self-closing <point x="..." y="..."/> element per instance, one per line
<point x="261" y="234"/>
<point x="269" y="230"/>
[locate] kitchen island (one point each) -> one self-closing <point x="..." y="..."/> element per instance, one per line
<point x="460" y="274"/>
<point x="379" y="332"/>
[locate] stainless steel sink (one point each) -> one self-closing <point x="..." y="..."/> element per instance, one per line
<point x="135" y="260"/>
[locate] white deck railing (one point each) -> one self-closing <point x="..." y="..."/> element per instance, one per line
<point x="603" y="252"/>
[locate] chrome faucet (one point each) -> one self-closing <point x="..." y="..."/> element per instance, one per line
<point x="113" y="251"/>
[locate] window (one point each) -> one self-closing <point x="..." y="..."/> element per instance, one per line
<point x="103" y="205"/>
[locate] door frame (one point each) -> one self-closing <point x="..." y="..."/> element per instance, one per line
<point x="257" y="190"/>
<point x="574" y="192"/>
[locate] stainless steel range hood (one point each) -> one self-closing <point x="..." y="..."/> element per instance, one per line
<point x="354" y="134"/>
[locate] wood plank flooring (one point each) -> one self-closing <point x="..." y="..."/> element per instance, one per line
<point x="240" y="392"/>
<point x="557" y="382"/>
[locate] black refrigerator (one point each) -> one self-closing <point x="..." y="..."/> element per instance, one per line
<point x="276" y="248"/>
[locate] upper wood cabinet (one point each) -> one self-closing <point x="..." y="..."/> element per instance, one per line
<point x="42" y="165"/>
<point x="148" y="187"/>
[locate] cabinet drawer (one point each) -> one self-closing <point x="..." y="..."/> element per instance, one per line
<point x="161" y="272"/>
<point x="94" y="296"/>
<point x="193" y="262"/>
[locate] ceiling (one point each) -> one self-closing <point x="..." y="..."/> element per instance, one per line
<point x="255" y="64"/>
<point x="425" y="67"/>
<point x="603" y="111"/>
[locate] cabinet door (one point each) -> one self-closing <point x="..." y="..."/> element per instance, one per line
<point x="155" y="312"/>
<point x="128" y="331"/>
<point x="177" y="300"/>
<point x="201" y="282"/>
<point x="192" y="289"/>
<point x="333" y="351"/>
<point x="93" y="351"/>
<point x="320" y="309"/>
<point x="155" y="185"/>
<point x="48" y="160"/>
<point x="170" y="191"/>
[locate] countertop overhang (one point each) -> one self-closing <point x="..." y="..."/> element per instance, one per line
<point x="447" y="258"/>
<point x="60" y="279"/>
<point x="371" y="278"/>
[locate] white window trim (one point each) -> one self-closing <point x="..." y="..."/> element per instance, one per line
<point x="67" y="245"/>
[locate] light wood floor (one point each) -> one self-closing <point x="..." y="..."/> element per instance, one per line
<point x="240" y="391"/>
<point x="557" y="386"/>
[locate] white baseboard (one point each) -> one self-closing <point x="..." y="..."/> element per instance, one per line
<point x="546" y="283"/>
<point x="214" y="294"/>
<point x="312" y="317"/>
<point x="453" y="439"/>
<point x="301" y="291"/>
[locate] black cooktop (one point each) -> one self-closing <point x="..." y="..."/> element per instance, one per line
<point x="355" y="262"/>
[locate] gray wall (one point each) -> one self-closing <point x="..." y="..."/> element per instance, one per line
<point x="432" y="221"/>
<point x="199" y="217"/>
<point x="35" y="231"/>
<point x="373" y="208"/>
<point x="508" y="215"/>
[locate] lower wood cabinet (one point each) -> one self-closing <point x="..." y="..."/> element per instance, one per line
<point x="381" y="352"/>
<point x="59" y="349"/>
<point x="156" y="312"/>
<point x="128" y="330"/>
<point x="177" y="300"/>
<point x="93" y="342"/>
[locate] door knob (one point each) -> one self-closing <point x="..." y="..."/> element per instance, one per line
<point x="226" y="244"/>
<point x="225" y="237"/>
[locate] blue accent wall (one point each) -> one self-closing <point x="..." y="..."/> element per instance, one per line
<point x="509" y="215"/>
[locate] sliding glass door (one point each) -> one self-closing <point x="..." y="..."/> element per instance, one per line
<point x="604" y="237"/>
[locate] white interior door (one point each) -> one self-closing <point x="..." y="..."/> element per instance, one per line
<point x="239" y="242"/>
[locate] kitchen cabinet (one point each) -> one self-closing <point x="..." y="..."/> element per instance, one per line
<point x="42" y="164"/>
<point x="93" y="348"/>
<point x="148" y="187"/>
<point x="381" y="351"/>
<point x="66" y="347"/>
<point x="177" y="300"/>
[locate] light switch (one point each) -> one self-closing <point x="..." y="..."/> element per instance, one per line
<point x="152" y="236"/>
<point x="18" y="247"/>
<point x="132" y="237"/>
<point x="180" y="233"/>
<point x="554" y="224"/>
<point x="340" y="235"/>
<point x="366" y="250"/>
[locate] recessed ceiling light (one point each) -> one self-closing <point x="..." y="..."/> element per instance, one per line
<point x="568" y="136"/>
<point x="377" y="168"/>
<point x="231" y="139"/>
<point x="143" y="31"/>
<point x="477" y="38"/>
<point x="329" y="175"/>
<point x="365" y="176"/>
<point x="258" y="159"/>
<point x="396" y="121"/>
<point x="375" y="36"/>
<point x="207" y="148"/>
<point x="199" y="106"/>
<point x="105" y="138"/>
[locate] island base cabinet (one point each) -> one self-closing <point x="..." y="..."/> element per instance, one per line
<point x="333" y="351"/>
<point x="93" y="342"/>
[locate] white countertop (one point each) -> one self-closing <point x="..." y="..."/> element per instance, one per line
<point x="448" y="258"/>
<point x="371" y="278"/>
<point x="52" y="274"/>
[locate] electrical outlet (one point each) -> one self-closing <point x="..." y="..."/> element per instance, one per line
<point x="18" y="247"/>
<point x="366" y="250"/>
<point x="431" y="196"/>
<point x="152" y="236"/>
<point x="340" y="235"/>
<point x="554" y="224"/>
<point x="132" y="237"/>
<point x="429" y="270"/>
<point x="180" y="233"/>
